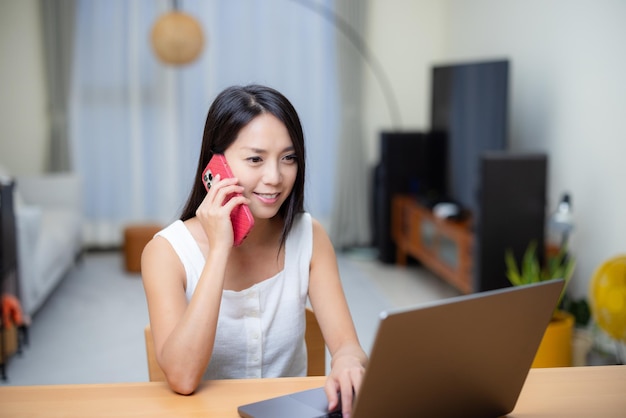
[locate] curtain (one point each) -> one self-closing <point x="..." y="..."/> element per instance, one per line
<point x="351" y="216"/>
<point x="136" y="124"/>
<point x="57" y="18"/>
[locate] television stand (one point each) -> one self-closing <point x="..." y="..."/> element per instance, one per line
<point x="443" y="246"/>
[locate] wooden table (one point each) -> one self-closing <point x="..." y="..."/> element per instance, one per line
<point x="598" y="391"/>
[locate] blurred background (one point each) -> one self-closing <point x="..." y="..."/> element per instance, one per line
<point x="92" y="98"/>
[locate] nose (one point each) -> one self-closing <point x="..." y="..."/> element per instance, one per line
<point x="271" y="173"/>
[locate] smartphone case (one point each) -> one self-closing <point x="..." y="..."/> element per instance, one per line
<point x="241" y="217"/>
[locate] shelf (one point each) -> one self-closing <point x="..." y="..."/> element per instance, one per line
<point x="443" y="246"/>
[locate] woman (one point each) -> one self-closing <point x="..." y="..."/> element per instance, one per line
<point x="223" y="311"/>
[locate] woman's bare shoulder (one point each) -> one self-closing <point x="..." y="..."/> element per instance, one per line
<point x="159" y="259"/>
<point x="319" y="231"/>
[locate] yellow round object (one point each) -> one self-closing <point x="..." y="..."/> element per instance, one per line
<point x="608" y="297"/>
<point x="177" y="38"/>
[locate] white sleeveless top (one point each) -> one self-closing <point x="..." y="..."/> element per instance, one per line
<point x="260" y="330"/>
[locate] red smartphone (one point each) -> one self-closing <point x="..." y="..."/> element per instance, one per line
<point x="241" y="217"/>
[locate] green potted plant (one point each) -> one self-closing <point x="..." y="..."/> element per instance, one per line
<point x="555" y="349"/>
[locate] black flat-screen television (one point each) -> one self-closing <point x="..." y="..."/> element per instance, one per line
<point x="469" y="106"/>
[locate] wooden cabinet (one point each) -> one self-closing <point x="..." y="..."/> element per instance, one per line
<point x="443" y="246"/>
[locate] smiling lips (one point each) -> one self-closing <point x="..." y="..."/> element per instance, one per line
<point x="268" y="198"/>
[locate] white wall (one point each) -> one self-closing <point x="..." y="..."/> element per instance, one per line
<point x="568" y="93"/>
<point x="24" y="123"/>
<point x="568" y="99"/>
<point x="405" y="36"/>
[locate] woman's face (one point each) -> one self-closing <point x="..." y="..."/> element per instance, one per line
<point x="263" y="158"/>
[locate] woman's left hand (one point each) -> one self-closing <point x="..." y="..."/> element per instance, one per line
<point x="343" y="382"/>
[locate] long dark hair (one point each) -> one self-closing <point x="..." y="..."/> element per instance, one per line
<point x="233" y="109"/>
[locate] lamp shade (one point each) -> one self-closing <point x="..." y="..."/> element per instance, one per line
<point x="177" y="38"/>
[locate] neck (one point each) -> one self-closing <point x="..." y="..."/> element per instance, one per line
<point x="265" y="232"/>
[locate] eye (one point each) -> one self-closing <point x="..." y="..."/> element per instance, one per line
<point x="291" y="158"/>
<point x="254" y="160"/>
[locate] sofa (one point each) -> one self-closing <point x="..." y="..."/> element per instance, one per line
<point x="48" y="219"/>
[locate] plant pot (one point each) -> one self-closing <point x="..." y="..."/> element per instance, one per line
<point x="555" y="349"/>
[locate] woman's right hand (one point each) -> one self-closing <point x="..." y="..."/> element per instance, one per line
<point x="214" y="214"/>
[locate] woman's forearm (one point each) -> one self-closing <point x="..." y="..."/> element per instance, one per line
<point x="187" y="350"/>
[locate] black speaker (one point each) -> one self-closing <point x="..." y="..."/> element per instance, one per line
<point x="511" y="213"/>
<point x="410" y="163"/>
<point x="8" y="228"/>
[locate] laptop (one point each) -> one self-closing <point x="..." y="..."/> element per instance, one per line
<point x="462" y="356"/>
